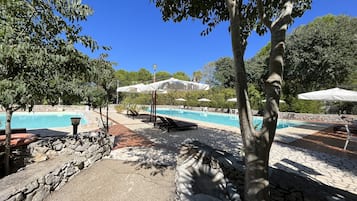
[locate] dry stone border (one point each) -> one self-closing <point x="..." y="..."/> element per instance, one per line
<point x="55" y="161"/>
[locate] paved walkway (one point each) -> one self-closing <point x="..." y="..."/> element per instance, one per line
<point x="127" y="181"/>
<point x="115" y="180"/>
<point x="124" y="137"/>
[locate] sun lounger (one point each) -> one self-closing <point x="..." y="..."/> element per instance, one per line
<point x="350" y="136"/>
<point x="14" y="130"/>
<point x="135" y="114"/>
<point x="352" y="125"/>
<point x="162" y="123"/>
<point x="132" y="113"/>
<point x="179" y="125"/>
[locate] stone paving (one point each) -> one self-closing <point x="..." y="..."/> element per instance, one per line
<point x="331" y="170"/>
<point x="339" y="171"/>
<point x="336" y="171"/>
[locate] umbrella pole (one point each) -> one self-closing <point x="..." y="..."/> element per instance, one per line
<point x="154" y="107"/>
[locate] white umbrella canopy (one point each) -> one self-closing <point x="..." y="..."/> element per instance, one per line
<point x="180" y="99"/>
<point x="136" y="88"/>
<point x="174" y="84"/>
<point x="334" y="94"/>
<point x="204" y="100"/>
<point x="280" y="101"/>
<point x="232" y="100"/>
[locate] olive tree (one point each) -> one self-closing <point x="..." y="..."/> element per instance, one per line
<point x="243" y="17"/>
<point x="102" y="77"/>
<point x="37" y="41"/>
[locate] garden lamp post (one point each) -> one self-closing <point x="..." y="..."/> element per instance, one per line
<point x="117" y="92"/>
<point x="154" y="93"/>
<point x="75" y="122"/>
<point x="153" y="108"/>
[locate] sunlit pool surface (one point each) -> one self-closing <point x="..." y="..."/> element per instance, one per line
<point x="38" y="120"/>
<point x="219" y="118"/>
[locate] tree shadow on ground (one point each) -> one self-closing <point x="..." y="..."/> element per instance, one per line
<point x="20" y="154"/>
<point x="328" y="141"/>
<point x="292" y="184"/>
<point x="48" y="133"/>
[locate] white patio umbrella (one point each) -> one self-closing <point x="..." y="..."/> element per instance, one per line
<point x="280" y="101"/>
<point x="180" y="99"/>
<point x="173" y="84"/>
<point x="232" y="100"/>
<point x="334" y="94"/>
<point x="204" y="100"/>
<point x="136" y="88"/>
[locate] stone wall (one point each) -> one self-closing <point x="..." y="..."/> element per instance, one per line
<point x="327" y="118"/>
<point x="54" y="162"/>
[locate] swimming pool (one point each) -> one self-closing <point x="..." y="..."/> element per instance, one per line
<point x="37" y="120"/>
<point x="219" y="118"/>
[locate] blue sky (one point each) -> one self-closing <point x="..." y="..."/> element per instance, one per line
<point x="140" y="38"/>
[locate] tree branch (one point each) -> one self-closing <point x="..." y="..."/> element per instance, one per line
<point x="285" y="15"/>
<point x="263" y="17"/>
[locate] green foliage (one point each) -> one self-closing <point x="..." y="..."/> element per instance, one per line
<point x="197" y="76"/>
<point x="123" y="77"/>
<point x="142" y="99"/>
<point x="354" y="110"/>
<point x="98" y="97"/>
<point x="163" y="75"/>
<point x="225" y="72"/>
<point x="321" y="54"/>
<point x="283" y="107"/>
<point x="210" y="12"/>
<point x="144" y="75"/>
<point x="255" y="97"/>
<point x="208" y="72"/>
<point x="181" y="76"/>
<point x="101" y="83"/>
<point x="306" y="106"/>
<point x="120" y="108"/>
<point x="244" y="17"/>
<point x="37" y="51"/>
<point x="257" y="67"/>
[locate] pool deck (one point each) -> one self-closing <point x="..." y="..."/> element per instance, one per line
<point x="337" y="168"/>
<point x="330" y="165"/>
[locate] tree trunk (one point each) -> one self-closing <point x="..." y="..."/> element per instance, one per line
<point x="273" y="89"/>
<point x="101" y="116"/>
<point x="107" y="122"/>
<point x="256" y="173"/>
<point x="9" y="112"/>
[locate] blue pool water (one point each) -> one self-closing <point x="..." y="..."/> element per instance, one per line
<point x="39" y="120"/>
<point x="218" y="118"/>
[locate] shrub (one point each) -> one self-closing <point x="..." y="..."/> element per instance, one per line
<point x="119" y="108"/>
<point x="354" y="109"/>
<point x="306" y="106"/>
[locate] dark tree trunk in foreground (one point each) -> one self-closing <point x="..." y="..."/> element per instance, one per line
<point x="257" y="144"/>
<point x="256" y="180"/>
<point x="9" y="112"/>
